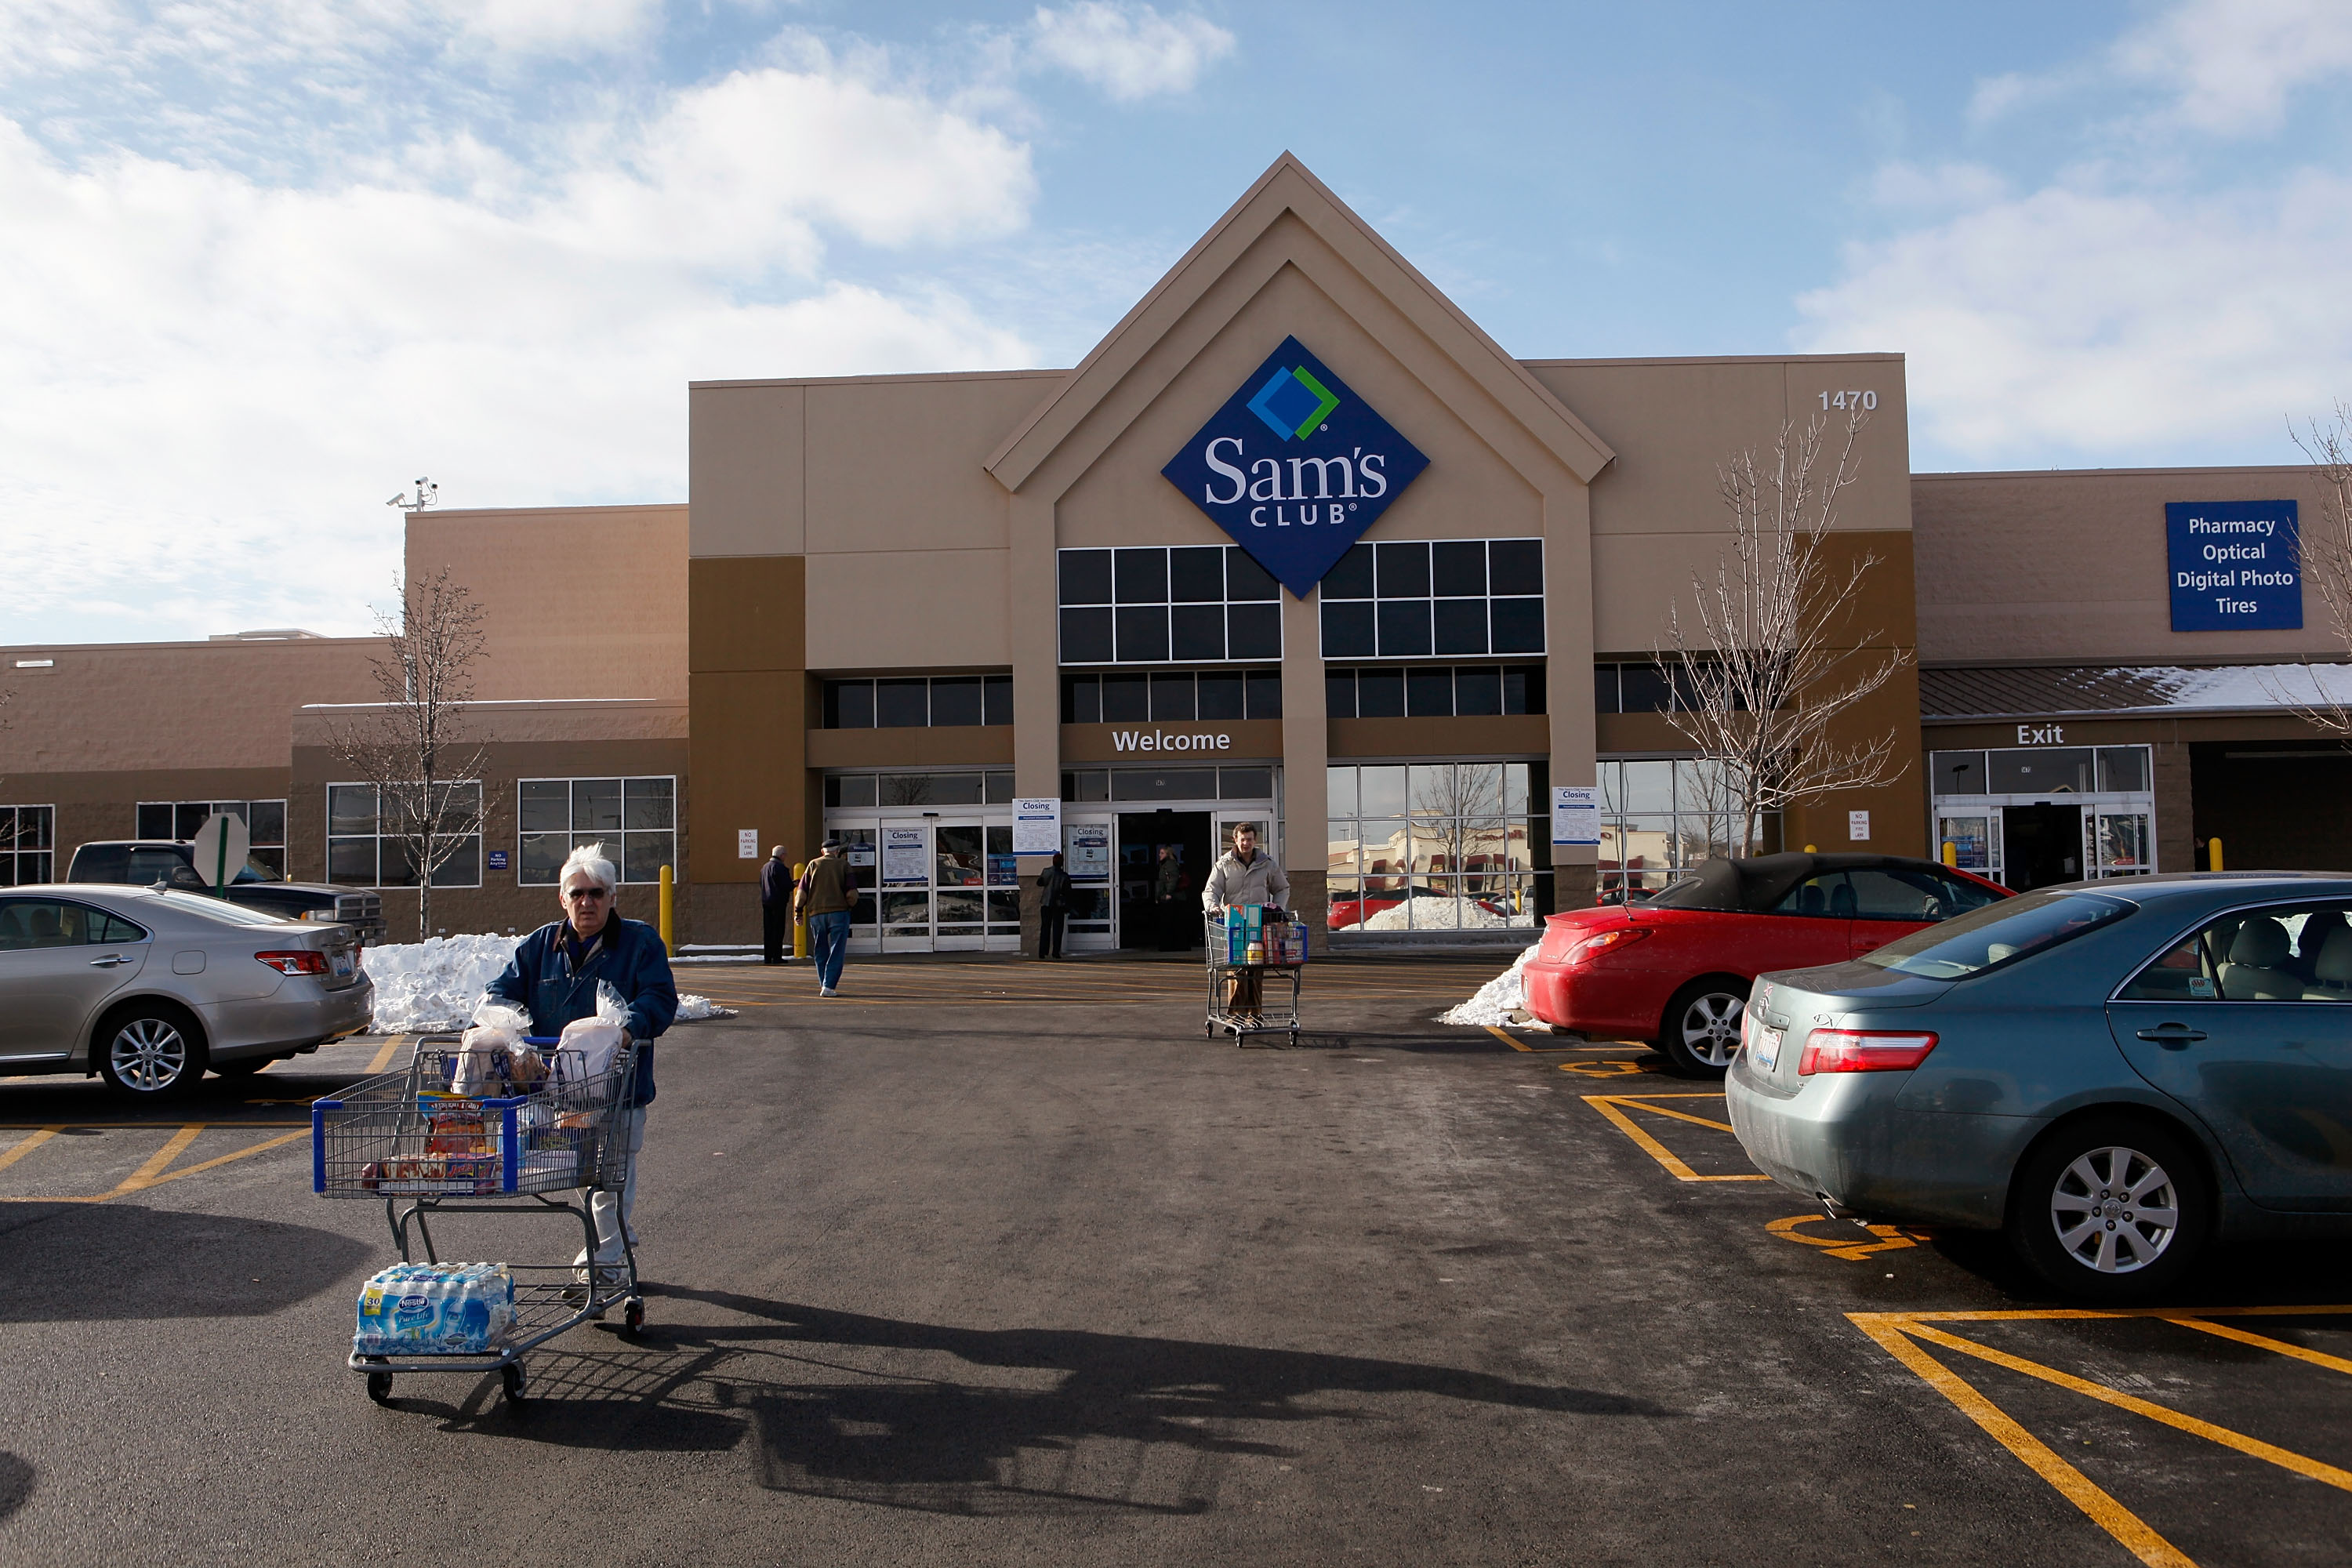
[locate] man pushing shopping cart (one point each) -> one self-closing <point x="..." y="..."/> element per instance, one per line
<point x="554" y="976"/>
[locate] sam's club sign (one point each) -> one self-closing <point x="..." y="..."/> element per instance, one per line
<point x="2235" y="565"/>
<point x="1295" y="466"/>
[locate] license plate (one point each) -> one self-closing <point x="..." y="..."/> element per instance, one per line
<point x="1764" y="1051"/>
<point x="342" y="964"/>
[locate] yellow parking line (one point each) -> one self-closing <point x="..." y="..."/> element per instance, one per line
<point x="217" y="1160"/>
<point x="144" y="1176"/>
<point x="2316" y="1358"/>
<point x="1607" y="1104"/>
<point x="28" y="1145"/>
<point x="2254" y="1447"/>
<point x="1507" y="1039"/>
<point x="1891" y="1330"/>
<point x="383" y="1062"/>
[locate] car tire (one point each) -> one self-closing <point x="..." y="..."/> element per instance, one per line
<point x="149" y="1051"/>
<point x="2087" y="1207"/>
<point x="1700" y="1032"/>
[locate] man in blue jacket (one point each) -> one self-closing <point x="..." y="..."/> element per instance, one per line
<point x="553" y="976"/>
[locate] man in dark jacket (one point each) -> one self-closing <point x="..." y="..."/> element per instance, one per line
<point x="775" y="905"/>
<point x="1052" y="909"/>
<point x="553" y="976"/>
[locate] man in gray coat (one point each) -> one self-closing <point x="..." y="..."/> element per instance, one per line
<point x="1244" y="875"/>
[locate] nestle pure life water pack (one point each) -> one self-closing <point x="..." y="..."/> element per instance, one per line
<point x="448" y="1309"/>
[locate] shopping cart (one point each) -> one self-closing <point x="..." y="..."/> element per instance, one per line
<point x="405" y="1138"/>
<point x="1276" y="1013"/>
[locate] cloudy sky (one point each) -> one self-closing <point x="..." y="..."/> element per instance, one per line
<point x="263" y="262"/>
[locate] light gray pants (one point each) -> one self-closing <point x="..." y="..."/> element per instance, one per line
<point x="612" y="1211"/>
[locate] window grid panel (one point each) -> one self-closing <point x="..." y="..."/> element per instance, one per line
<point x="634" y="818"/>
<point x="1430" y="846"/>
<point x="1410" y="599"/>
<point x="359" y="854"/>
<point x="1166" y="605"/>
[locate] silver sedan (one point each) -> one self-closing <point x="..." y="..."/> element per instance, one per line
<point x="147" y="987"/>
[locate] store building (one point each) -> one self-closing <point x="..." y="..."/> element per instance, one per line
<point x="2089" y="701"/>
<point x="1297" y="545"/>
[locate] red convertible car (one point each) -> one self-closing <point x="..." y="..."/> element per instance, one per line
<point x="1674" y="968"/>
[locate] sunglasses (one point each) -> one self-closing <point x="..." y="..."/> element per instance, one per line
<point x="591" y="894"/>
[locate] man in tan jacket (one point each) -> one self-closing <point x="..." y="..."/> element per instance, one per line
<point x="825" y="899"/>
<point x="1244" y="875"/>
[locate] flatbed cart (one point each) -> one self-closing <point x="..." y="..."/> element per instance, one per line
<point x="1275" y="1016"/>
<point x="387" y="1137"/>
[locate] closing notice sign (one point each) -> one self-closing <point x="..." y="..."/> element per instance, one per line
<point x="2235" y="565"/>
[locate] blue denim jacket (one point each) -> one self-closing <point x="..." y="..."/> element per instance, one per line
<point x="540" y="979"/>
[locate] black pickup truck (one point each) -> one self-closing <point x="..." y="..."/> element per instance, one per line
<point x="143" y="862"/>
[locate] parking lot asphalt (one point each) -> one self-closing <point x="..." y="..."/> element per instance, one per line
<point x="1005" y="1262"/>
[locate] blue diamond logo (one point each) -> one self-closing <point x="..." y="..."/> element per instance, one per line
<point x="1295" y="466"/>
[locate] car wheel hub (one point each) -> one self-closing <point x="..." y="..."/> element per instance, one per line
<point x="1711" y="1027"/>
<point x="2114" y="1210"/>
<point x="148" y="1055"/>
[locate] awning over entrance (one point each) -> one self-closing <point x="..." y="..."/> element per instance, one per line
<point x="2050" y="692"/>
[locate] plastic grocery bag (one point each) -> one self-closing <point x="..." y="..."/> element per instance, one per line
<point x="598" y="1040"/>
<point x="486" y="1054"/>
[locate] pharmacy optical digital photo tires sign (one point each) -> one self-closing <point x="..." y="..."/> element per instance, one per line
<point x="1295" y="466"/>
<point x="2235" y="565"/>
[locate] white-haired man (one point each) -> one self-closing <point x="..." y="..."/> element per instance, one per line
<point x="553" y="976"/>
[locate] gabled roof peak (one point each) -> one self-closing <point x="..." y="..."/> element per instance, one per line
<point x="1289" y="189"/>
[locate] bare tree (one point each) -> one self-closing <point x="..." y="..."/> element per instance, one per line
<point x="2326" y="558"/>
<point x="1761" y="681"/>
<point x="414" y="748"/>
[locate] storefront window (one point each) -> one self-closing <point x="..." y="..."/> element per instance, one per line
<point x="28" y="844"/>
<point x="918" y="701"/>
<point x="364" y="848"/>
<point x="1430" y="847"/>
<point x="1432" y="691"/>
<point x="1159" y="604"/>
<point x="1411" y="599"/>
<point x="265" y="824"/>
<point x="635" y="819"/>
<point x="2033" y="816"/>
<point x="1208" y="695"/>
<point x="2054" y="770"/>
<point x="922" y="789"/>
<point x="1661" y="815"/>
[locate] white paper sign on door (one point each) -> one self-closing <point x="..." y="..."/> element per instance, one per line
<point x="905" y="857"/>
<point x="1036" y="827"/>
<point x="1086" y="851"/>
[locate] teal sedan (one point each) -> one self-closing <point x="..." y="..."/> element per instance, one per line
<point x="2113" y="1073"/>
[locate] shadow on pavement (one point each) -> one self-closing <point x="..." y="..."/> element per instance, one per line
<point x="1008" y="1421"/>
<point x="16" y="1484"/>
<point x="2235" y="1274"/>
<point x="100" y="1262"/>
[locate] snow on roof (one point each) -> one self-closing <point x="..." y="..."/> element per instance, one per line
<point x="2016" y="692"/>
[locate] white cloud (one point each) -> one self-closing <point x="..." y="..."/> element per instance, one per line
<point x="1942" y="187"/>
<point x="2079" y="323"/>
<point x="208" y="381"/>
<point x="2233" y="64"/>
<point x="1128" y="51"/>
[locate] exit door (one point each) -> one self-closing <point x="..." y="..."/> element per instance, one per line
<point x="2044" y="846"/>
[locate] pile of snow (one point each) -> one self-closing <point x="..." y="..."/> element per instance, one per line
<point x="1440" y="914"/>
<point x="431" y="987"/>
<point x="1499" y="1000"/>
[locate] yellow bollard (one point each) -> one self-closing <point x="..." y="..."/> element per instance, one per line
<point x="2213" y="854"/>
<point x="800" y="921"/>
<point x="1951" y="853"/>
<point x="668" y="910"/>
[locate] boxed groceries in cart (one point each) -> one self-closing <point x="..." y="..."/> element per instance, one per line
<point x="435" y="1309"/>
<point x="1257" y="934"/>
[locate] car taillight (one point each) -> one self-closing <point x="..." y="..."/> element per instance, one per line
<point x="301" y="961"/>
<point x="1592" y="947"/>
<point x="1865" y="1050"/>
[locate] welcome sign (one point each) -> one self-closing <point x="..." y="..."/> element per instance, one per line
<point x="1295" y="466"/>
